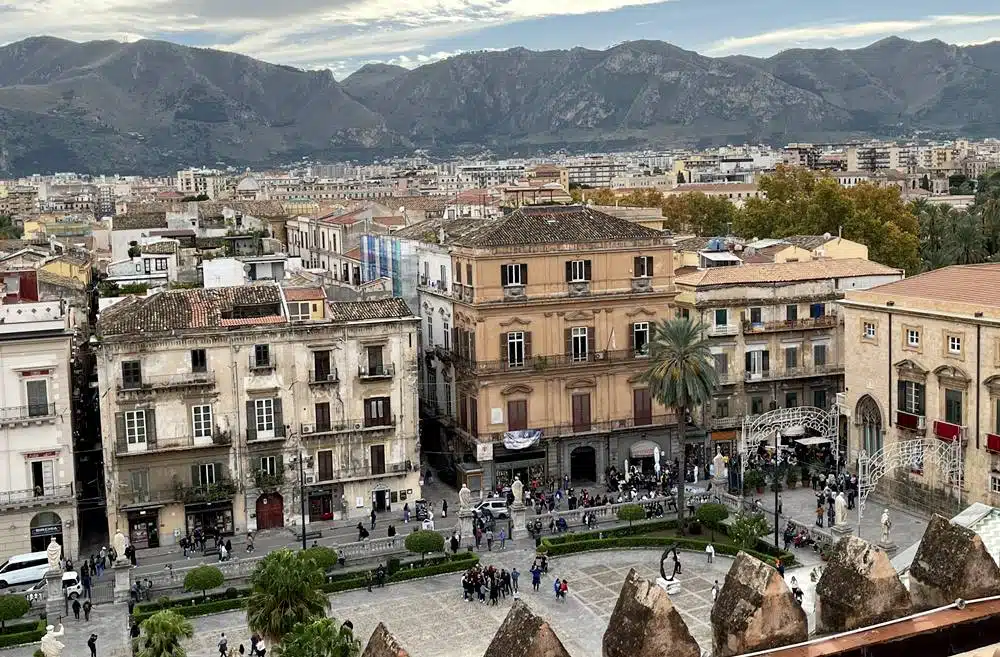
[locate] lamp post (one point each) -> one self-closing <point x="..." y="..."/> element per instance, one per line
<point x="777" y="446"/>
<point x="302" y="498"/>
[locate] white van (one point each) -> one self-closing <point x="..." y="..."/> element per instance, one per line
<point x="23" y="569"/>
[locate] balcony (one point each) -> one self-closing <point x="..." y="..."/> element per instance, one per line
<point x="644" y="284"/>
<point x="156" y="445"/>
<point x="557" y="289"/>
<point x="374" y="372"/>
<point x="947" y="431"/>
<point x="221" y="490"/>
<point x="363" y="470"/>
<point x="27" y="414"/>
<point x="28" y="498"/>
<point x="361" y="425"/>
<point x="729" y="422"/>
<point x="722" y="330"/>
<point x="823" y="321"/>
<point x="463" y="293"/>
<point x="558" y="361"/>
<point x="152" y="382"/>
<point x="146" y="497"/>
<point x="911" y="421"/>
<point x="515" y="293"/>
<point x="323" y="377"/>
<point x="278" y="433"/>
<point x="803" y="372"/>
<point x="578" y="288"/>
<point x="430" y="285"/>
<point x="648" y="422"/>
<point x="267" y="481"/>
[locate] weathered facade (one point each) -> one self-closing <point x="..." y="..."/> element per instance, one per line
<point x="210" y="397"/>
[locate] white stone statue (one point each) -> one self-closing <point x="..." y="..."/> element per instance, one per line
<point x="517" y="489"/>
<point x="51" y="645"/>
<point x="718" y="465"/>
<point x="119" y="542"/>
<point x="886" y="526"/>
<point x="464" y="498"/>
<point x="840" y="509"/>
<point x="54" y="553"/>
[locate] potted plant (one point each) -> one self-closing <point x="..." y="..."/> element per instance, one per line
<point x="792" y="478"/>
<point x="755" y="480"/>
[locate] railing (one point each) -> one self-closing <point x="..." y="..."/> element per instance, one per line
<point x="221" y="490"/>
<point x="609" y="512"/>
<point x="362" y="471"/>
<point x="719" y="330"/>
<point x="153" y="444"/>
<point x="794" y="372"/>
<point x="279" y="432"/>
<point x="562" y="289"/>
<point x="730" y="422"/>
<point x="146" y="496"/>
<point x="823" y="321"/>
<point x="319" y="377"/>
<point x="266" y="480"/>
<point x="164" y="381"/>
<point x="376" y="371"/>
<point x="623" y="424"/>
<point x="233" y="569"/>
<point x="348" y="426"/>
<point x="26" y="413"/>
<point x="910" y="421"/>
<point x="30" y="496"/>
<point x="542" y="363"/>
<point x="433" y="285"/>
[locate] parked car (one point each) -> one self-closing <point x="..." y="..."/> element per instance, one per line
<point x="72" y="585"/>
<point x="496" y="505"/>
<point x="23" y="569"/>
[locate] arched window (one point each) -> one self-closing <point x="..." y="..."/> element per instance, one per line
<point x="870" y="419"/>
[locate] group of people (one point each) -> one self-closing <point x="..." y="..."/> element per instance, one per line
<point x="489" y="583"/>
<point x="826" y="496"/>
<point x="257" y="647"/>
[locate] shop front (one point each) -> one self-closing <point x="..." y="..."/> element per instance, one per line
<point x="725" y="442"/>
<point x="144" y="528"/>
<point x="522" y="456"/>
<point x="696" y="455"/>
<point x="211" y="518"/>
<point x="42" y="528"/>
<point x="323" y="502"/>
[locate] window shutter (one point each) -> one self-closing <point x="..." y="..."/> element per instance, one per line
<point x="636" y="266"/>
<point x="591" y="340"/>
<point x="569" y="342"/>
<point x="279" y="465"/>
<point x="766" y="358"/>
<point x="900" y="395"/>
<point x="587" y="270"/>
<point x="279" y="420"/>
<point x="472" y="346"/>
<point x="921" y="391"/>
<point x="631" y="337"/>
<point x="218" y="472"/>
<point x="150" y="427"/>
<point x="503" y="275"/>
<point x="454" y="339"/>
<point x="649" y="265"/>
<point x="569" y="270"/>
<point x="527" y="345"/>
<point x="251" y="422"/>
<point x="120" y="426"/>
<point x="458" y="272"/>
<point x="368" y="411"/>
<point x="387" y="404"/>
<point x="524" y="274"/>
<point x="473" y="416"/>
<point x="195" y="475"/>
<point x="503" y="348"/>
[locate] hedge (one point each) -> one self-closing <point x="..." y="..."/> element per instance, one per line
<point x="19" y="628"/>
<point x="17" y="638"/>
<point x="190" y="611"/>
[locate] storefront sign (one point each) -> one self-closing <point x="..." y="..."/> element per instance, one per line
<point x="484" y="452"/>
<point x="46" y="530"/>
<point x="521" y="439"/>
<point x="41" y="455"/>
<point x="27" y="373"/>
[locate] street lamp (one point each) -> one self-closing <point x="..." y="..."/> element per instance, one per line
<point x="777" y="446"/>
<point x="302" y="500"/>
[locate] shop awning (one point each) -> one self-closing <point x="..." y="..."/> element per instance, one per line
<point x="728" y="434"/>
<point x="814" y="440"/>
<point x="643" y="449"/>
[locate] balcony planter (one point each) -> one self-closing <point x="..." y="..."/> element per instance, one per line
<point x="947" y="431"/>
<point x="993" y="443"/>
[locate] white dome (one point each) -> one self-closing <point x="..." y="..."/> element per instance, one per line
<point x="248" y="184"/>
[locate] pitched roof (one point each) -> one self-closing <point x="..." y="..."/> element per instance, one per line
<point x="390" y="221"/>
<point x="785" y="272"/>
<point x="139" y="221"/>
<point x="972" y="284"/>
<point x="304" y="293"/>
<point x="56" y="280"/>
<point x="184" y="309"/>
<point x="353" y="311"/>
<point x="553" y="224"/>
<point x="161" y="247"/>
<point x="716" y="187"/>
<point x="808" y="242"/>
<point x="208" y="209"/>
<point x="344" y="219"/>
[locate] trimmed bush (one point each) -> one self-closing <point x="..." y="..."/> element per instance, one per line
<point x="423" y="541"/>
<point x="630" y="513"/>
<point x="203" y="578"/>
<point x="325" y="558"/>
<point x="18" y="638"/>
<point x="747" y="529"/>
<point x="12" y="607"/>
<point x="711" y="514"/>
<point x="203" y="609"/>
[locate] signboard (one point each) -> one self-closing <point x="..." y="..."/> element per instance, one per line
<point x="41" y="455"/>
<point x="484" y="452"/>
<point x="46" y="530"/>
<point x="521" y="439"/>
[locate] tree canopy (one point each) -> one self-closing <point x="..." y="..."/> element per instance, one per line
<point x="162" y="634"/>
<point x="285" y="589"/>
<point x="631" y="512"/>
<point x="12" y="607"/>
<point x="952" y="236"/>
<point x="324" y="637"/>
<point x="423" y="541"/>
<point x="203" y="578"/>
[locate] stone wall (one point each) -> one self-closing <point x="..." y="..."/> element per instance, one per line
<point x="951" y="563"/>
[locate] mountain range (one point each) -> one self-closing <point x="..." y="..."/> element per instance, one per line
<point x="152" y="106"/>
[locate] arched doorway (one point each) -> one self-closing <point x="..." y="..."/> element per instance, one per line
<point x="583" y="464"/>
<point x="869" y="419"/>
<point x="43" y="527"/>
<point x="270" y="511"/>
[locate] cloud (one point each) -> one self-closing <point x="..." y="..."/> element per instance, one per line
<point x="832" y="33"/>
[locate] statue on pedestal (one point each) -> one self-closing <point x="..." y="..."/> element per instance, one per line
<point x="886" y="526"/>
<point x="119" y="543"/>
<point x="517" y="490"/>
<point x="54" y="554"/>
<point x="718" y="465"/>
<point x="51" y="645"/>
<point x="840" y="509"/>
<point x="464" y="498"/>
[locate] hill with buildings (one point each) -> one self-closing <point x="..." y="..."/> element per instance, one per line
<point x="156" y="106"/>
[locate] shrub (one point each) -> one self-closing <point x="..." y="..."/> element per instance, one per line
<point x="38" y="653"/>
<point x="747" y="529"/>
<point x="325" y="558"/>
<point x="203" y="609"/>
<point x="12" y="607"/>
<point x="753" y="479"/>
<point x="712" y="514"/>
<point x="30" y="636"/>
<point x="393" y="565"/>
<point x="423" y="541"/>
<point x="232" y="592"/>
<point x="630" y="513"/>
<point x="203" y="578"/>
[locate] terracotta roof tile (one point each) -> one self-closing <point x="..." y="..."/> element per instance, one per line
<point x="304" y="293"/>
<point x="553" y="224"/>
<point x="353" y="311"/>
<point x="785" y="272"/>
<point x="163" y="247"/>
<point x="139" y="220"/>
<point x="252" y="321"/>
<point x="972" y="284"/>
<point x="354" y="254"/>
<point x="390" y="221"/>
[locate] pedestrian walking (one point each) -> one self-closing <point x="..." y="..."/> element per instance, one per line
<point x="454" y="543"/>
<point x="819" y="515"/>
<point x="710" y="551"/>
<point x="513" y="578"/>
<point x="373" y="519"/>
<point x="556" y="585"/>
<point x="503" y="538"/>
<point x="92" y="644"/>
<point x="87" y="585"/>
<point x="223" y="645"/>
<point x="536" y="577"/>
<point x="87" y="606"/>
<point x="489" y="540"/>
<point x="76" y="609"/>
<point x="715" y="591"/>
<point x="406" y="513"/>
<point x="444" y="508"/>
<point x="479" y="536"/>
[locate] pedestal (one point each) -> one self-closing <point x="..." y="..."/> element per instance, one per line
<point x="841" y="530"/>
<point x="465" y="526"/>
<point x="889" y="547"/>
<point x="55" y="601"/>
<point x="518" y="518"/>
<point x="123" y="579"/>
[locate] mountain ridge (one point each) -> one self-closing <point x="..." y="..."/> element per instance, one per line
<point x="154" y="106"/>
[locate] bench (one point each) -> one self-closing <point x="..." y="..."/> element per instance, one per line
<point x="312" y="534"/>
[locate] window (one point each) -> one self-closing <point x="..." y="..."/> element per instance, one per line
<point x="376" y="455"/>
<point x="298" y="311"/>
<point x="791" y="399"/>
<point x="721" y="317"/>
<point x="953" y="406"/>
<point x="322" y="371"/>
<point x="322" y="416"/>
<point x="791" y="358"/>
<point x="721" y="365"/>
<point x="581" y="412"/>
<point x="263" y="416"/>
<point x="161" y="264"/>
<point x="201" y="421"/>
<point x="722" y="408"/>
<point x="261" y="355"/>
<point x="954" y="344"/>
<point x="458" y="272"/>
<point x="447" y="336"/>
<point x="208" y="474"/>
<point x="994" y="483"/>
<point x="517" y="415"/>
<point x="131" y="374"/>
<point x="578" y="344"/>
<point x="516" y="350"/>
<point x="819" y="398"/>
<point x="199" y="360"/>
<point x="640" y="338"/>
<point x="578" y="271"/>
<point x="755" y="316"/>
<point x="38" y="398"/>
<point x="757" y="363"/>
<point x="443" y="278"/>
<point x="911" y="397"/>
<point x="468" y="274"/>
<point x="376" y="366"/>
<point x="269" y="465"/>
<point x="429" y="338"/>
<point x="756" y="405"/>
<point x="791" y="313"/>
<point x="513" y="275"/>
<point x="912" y="338"/>
<point x="817" y="310"/>
<point x="684" y="312"/>
<point x="642" y="266"/>
<point x="642" y="406"/>
<point x="869" y="330"/>
<point x="324" y="462"/>
<point x="377" y="412"/>
<point x="819" y="356"/>
<point x="135" y="427"/>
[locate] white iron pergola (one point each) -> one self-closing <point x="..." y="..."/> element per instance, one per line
<point x="908" y="453"/>
<point x="789" y="421"/>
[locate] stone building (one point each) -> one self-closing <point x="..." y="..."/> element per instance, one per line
<point x="210" y="398"/>
<point x="776" y="333"/>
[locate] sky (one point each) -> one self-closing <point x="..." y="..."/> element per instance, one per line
<point x="342" y="35"/>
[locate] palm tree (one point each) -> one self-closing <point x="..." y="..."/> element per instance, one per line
<point x="325" y="637"/>
<point x="284" y="591"/>
<point x="681" y="375"/>
<point x="969" y="243"/>
<point x="162" y="634"/>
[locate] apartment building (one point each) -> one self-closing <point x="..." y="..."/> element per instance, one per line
<point x="923" y="365"/>
<point x="776" y="333"/>
<point x="195" y="182"/>
<point x="331" y="240"/>
<point x="214" y="400"/>
<point x="37" y="480"/>
<point x="553" y="312"/>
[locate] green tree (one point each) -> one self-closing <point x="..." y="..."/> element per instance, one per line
<point x="680" y="178"/>
<point x="697" y="213"/>
<point x="967" y="241"/>
<point x="747" y="528"/>
<point x="682" y="376"/>
<point x="162" y="634"/>
<point x="423" y="541"/>
<point x="8" y="230"/>
<point x="630" y="513"/>
<point x="325" y="558"/>
<point x="324" y="637"/>
<point x="203" y="578"/>
<point x="12" y="607"/>
<point x="712" y="515"/>
<point x="285" y="589"/>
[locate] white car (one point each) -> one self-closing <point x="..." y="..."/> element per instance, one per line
<point x="71" y="583"/>
<point x="496" y="505"/>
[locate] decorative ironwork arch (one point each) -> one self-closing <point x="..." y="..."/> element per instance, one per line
<point x="758" y="427"/>
<point x="946" y="455"/>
